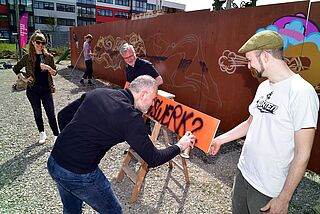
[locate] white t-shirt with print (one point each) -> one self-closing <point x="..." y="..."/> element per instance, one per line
<point x="278" y="111"/>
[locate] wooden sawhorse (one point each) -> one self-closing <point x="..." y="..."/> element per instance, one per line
<point x="138" y="177"/>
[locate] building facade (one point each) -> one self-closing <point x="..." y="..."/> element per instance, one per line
<point x="55" y="17"/>
<point x="10" y="11"/>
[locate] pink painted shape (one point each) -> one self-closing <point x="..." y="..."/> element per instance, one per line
<point x="23" y="29"/>
<point x="291" y="33"/>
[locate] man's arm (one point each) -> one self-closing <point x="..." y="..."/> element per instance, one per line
<point x="303" y="139"/>
<point x="67" y="113"/>
<point x="235" y="133"/>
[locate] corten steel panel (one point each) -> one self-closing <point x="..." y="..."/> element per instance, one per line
<point x="196" y="54"/>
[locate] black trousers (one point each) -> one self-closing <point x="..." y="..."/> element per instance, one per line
<point x="89" y="70"/>
<point x="36" y="95"/>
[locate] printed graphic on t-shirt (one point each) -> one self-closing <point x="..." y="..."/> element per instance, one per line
<point x="266" y="106"/>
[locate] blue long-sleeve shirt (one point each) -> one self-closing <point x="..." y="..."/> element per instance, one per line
<point x="101" y="119"/>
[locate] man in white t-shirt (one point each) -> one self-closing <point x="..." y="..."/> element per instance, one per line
<point x="279" y="131"/>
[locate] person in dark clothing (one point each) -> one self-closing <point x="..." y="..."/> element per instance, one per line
<point x="87" y="60"/>
<point x="136" y="66"/>
<point x="40" y="68"/>
<point x="103" y="118"/>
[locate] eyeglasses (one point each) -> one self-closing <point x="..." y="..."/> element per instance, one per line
<point x="40" y="42"/>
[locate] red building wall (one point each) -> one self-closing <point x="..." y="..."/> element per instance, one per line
<point x="4" y="23"/>
<point x="101" y="19"/>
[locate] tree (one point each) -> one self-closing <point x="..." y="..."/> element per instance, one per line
<point x="217" y="4"/>
<point x="51" y="23"/>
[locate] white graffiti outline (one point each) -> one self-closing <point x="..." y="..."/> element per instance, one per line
<point x="229" y="61"/>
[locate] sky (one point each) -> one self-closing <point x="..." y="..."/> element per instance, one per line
<point x="206" y="4"/>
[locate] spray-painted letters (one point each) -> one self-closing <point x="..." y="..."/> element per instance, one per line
<point x="180" y="118"/>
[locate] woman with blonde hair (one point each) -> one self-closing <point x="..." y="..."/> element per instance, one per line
<point x="40" y="68"/>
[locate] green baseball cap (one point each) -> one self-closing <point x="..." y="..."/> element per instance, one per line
<point x="263" y="40"/>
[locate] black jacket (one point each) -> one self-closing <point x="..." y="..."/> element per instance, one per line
<point x="101" y="119"/>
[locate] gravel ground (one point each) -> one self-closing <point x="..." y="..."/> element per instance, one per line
<point x="26" y="187"/>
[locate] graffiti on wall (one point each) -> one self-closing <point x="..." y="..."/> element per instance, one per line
<point x="107" y="48"/>
<point x="229" y="61"/>
<point x="173" y="60"/>
<point x="184" y="64"/>
<point x="301" y="45"/>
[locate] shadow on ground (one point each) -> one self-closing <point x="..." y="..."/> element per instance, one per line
<point x="15" y="167"/>
<point x="74" y="76"/>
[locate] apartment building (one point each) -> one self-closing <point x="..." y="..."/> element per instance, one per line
<point x="55" y="17"/>
<point x="113" y="10"/>
<point x="9" y="11"/>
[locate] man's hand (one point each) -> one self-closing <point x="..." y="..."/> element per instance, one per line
<point x="276" y="206"/>
<point x="215" y="146"/>
<point x="187" y="140"/>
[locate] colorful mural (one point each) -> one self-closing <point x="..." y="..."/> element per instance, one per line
<point x="301" y="45"/>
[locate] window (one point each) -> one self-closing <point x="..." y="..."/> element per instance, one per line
<point x="102" y="12"/>
<point x="151" y="7"/>
<point x="23" y="2"/>
<point x="122" y="2"/>
<point x="44" y="5"/>
<point x="139" y="6"/>
<point x="4" y="2"/>
<point x="86" y="12"/>
<point x="43" y="20"/>
<point x="120" y="14"/>
<point x="4" y="34"/>
<point x="66" y="8"/>
<point x="106" y="1"/>
<point x="87" y="2"/>
<point x="65" y="22"/>
<point x="85" y="23"/>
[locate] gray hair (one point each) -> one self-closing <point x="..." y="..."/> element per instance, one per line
<point x="143" y="82"/>
<point x="125" y="47"/>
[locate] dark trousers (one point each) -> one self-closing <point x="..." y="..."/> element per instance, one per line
<point x="89" y="70"/>
<point x="36" y="95"/>
<point x="92" y="188"/>
<point x="245" y="198"/>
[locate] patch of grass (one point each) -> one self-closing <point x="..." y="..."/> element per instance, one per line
<point x="7" y="47"/>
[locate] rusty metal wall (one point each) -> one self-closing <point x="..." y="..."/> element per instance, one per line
<point x="196" y="54"/>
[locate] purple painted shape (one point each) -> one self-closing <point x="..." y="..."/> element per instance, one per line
<point x="280" y="23"/>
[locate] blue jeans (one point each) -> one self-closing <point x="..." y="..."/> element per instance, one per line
<point x="92" y="188"/>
